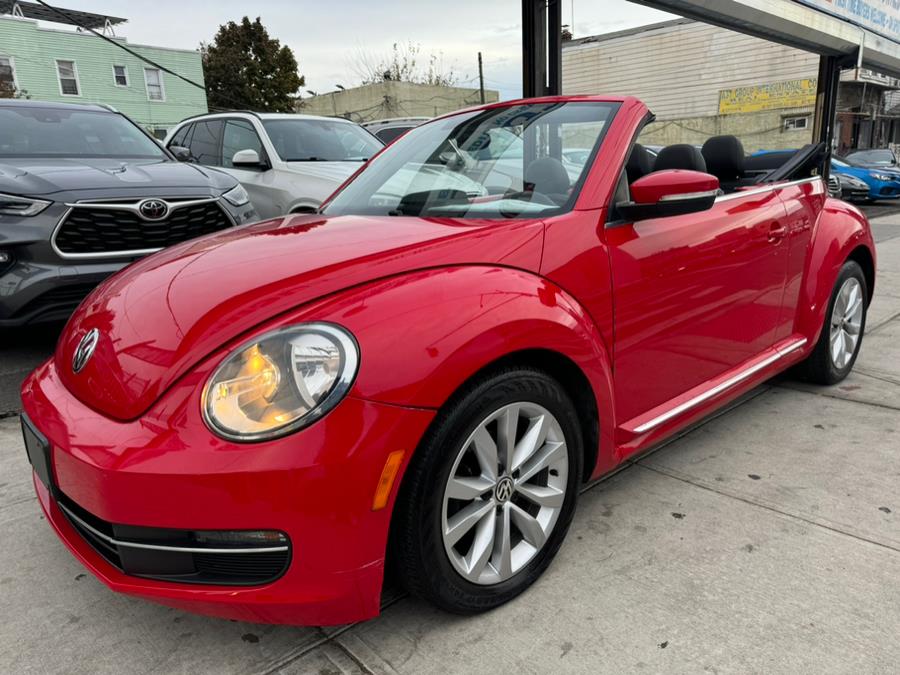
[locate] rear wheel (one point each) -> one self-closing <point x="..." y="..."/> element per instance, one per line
<point x="845" y="322"/>
<point x="488" y="499"/>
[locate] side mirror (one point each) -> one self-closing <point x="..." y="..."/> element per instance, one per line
<point x="247" y="159"/>
<point x="181" y="153"/>
<point x="673" y="192"/>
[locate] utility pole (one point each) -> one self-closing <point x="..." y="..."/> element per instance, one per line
<point x="480" y="78"/>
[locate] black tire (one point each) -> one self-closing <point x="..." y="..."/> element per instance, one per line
<point x="417" y="547"/>
<point x="819" y="367"/>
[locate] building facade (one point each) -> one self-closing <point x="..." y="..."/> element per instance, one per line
<point x="393" y="99"/>
<point x="701" y="80"/>
<point x="57" y="64"/>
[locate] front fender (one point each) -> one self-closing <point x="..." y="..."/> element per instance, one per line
<point x="841" y="230"/>
<point x="422" y="335"/>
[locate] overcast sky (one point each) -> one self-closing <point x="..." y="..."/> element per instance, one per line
<point x="327" y="36"/>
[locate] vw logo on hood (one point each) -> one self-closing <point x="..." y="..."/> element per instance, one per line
<point x="85" y="350"/>
<point x="153" y="209"/>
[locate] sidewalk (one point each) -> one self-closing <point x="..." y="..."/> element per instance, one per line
<point x="766" y="540"/>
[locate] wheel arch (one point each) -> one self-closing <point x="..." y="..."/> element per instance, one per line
<point x="863" y="257"/>
<point x="842" y="233"/>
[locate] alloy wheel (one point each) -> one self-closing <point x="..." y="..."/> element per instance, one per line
<point x="846" y="323"/>
<point x="504" y="493"/>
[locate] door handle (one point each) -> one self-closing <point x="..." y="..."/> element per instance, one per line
<point x="777" y="232"/>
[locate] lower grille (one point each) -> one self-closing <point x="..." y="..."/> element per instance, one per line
<point x="56" y="303"/>
<point x="95" y="230"/>
<point x="183" y="556"/>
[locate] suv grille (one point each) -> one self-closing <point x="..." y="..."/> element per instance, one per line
<point x="96" y="230"/>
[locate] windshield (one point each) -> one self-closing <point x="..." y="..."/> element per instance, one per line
<point x="311" y="140"/>
<point x="58" y="132"/>
<point x="881" y="157"/>
<point x="516" y="161"/>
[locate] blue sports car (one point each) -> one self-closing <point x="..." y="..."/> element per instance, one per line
<point x="884" y="183"/>
<point x="857" y="182"/>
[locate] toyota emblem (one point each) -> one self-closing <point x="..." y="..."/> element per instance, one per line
<point x="153" y="209"/>
<point x="85" y="350"/>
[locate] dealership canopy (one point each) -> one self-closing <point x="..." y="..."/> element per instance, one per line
<point x="869" y="29"/>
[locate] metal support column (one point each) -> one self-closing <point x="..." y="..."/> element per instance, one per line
<point x="826" y="105"/>
<point x="541" y="47"/>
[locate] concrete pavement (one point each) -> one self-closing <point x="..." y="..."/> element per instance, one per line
<point x="765" y="540"/>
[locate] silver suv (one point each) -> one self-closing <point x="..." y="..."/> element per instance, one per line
<point x="287" y="163"/>
<point x="84" y="191"/>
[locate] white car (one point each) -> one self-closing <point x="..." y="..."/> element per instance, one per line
<point x="287" y="163"/>
<point x="388" y="130"/>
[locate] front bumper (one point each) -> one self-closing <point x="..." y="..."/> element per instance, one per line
<point x="166" y="470"/>
<point x="884" y="190"/>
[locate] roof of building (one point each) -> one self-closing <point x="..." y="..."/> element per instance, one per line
<point x="71" y="17"/>
<point x="628" y="31"/>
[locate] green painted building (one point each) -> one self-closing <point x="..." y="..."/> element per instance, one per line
<point x="75" y="66"/>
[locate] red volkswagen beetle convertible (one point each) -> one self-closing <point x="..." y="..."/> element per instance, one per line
<point x="504" y="304"/>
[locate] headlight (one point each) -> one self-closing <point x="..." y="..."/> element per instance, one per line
<point x="882" y="176"/>
<point x="11" y="205"/>
<point x="280" y="382"/>
<point x="237" y="196"/>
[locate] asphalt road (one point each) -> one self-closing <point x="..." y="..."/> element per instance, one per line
<point x="765" y="540"/>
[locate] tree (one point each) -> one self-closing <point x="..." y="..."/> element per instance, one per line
<point x="402" y="65"/>
<point x="246" y="69"/>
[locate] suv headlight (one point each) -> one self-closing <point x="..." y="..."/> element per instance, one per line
<point x="237" y="196"/>
<point x="11" y="205"/>
<point x="882" y="176"/>
<point x="280" y="382"/>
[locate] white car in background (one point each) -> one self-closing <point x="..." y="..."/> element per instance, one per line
<point x="287" y="163"/>
<point x="388" y="130"/>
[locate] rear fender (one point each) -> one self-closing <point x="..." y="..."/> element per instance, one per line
<point x="424" y="334"/>
<point x="841" y="230"/>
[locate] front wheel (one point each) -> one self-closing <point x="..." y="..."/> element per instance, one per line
<point x="845" y="322"/>
<point x="489" y="496"/>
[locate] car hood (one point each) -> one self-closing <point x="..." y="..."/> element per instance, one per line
<point x="46" y="176"/>
<point x="163" y="314"/>
<point x="334" y="172"/>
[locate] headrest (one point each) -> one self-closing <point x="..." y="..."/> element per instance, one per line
<point x="724" y="157"/>
<point x="639" y="163"/>
<point x="680" y="156"/>
<point x="548" y="176"/>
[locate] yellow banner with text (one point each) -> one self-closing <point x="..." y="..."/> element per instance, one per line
<point x="773" y="96"/>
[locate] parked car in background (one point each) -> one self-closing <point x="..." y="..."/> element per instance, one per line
<point x="876" y="158"/>
<point x="853" y="189"/>
<point x="426" y="374"/>
<point x="287" y="163"/>
<point x="85" y="191"/>
<point x="388" y="130"/>
<point x="867" y="183"/>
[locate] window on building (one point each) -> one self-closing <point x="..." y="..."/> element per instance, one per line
<point x="239" y="135"/>
<point x="68" y="78"/>
<point x="791" y="123"/>
<point x="120" y="75"/>
<point x="7" y="73"/>
<point x="154" y="81"/>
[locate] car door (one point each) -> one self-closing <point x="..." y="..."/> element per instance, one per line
<point x="694" y="296"/>
<point x="237" y="135"/>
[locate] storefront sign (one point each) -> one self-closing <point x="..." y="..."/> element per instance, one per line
<point x="773" y="96"/>
<point x="879" y="16"/>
